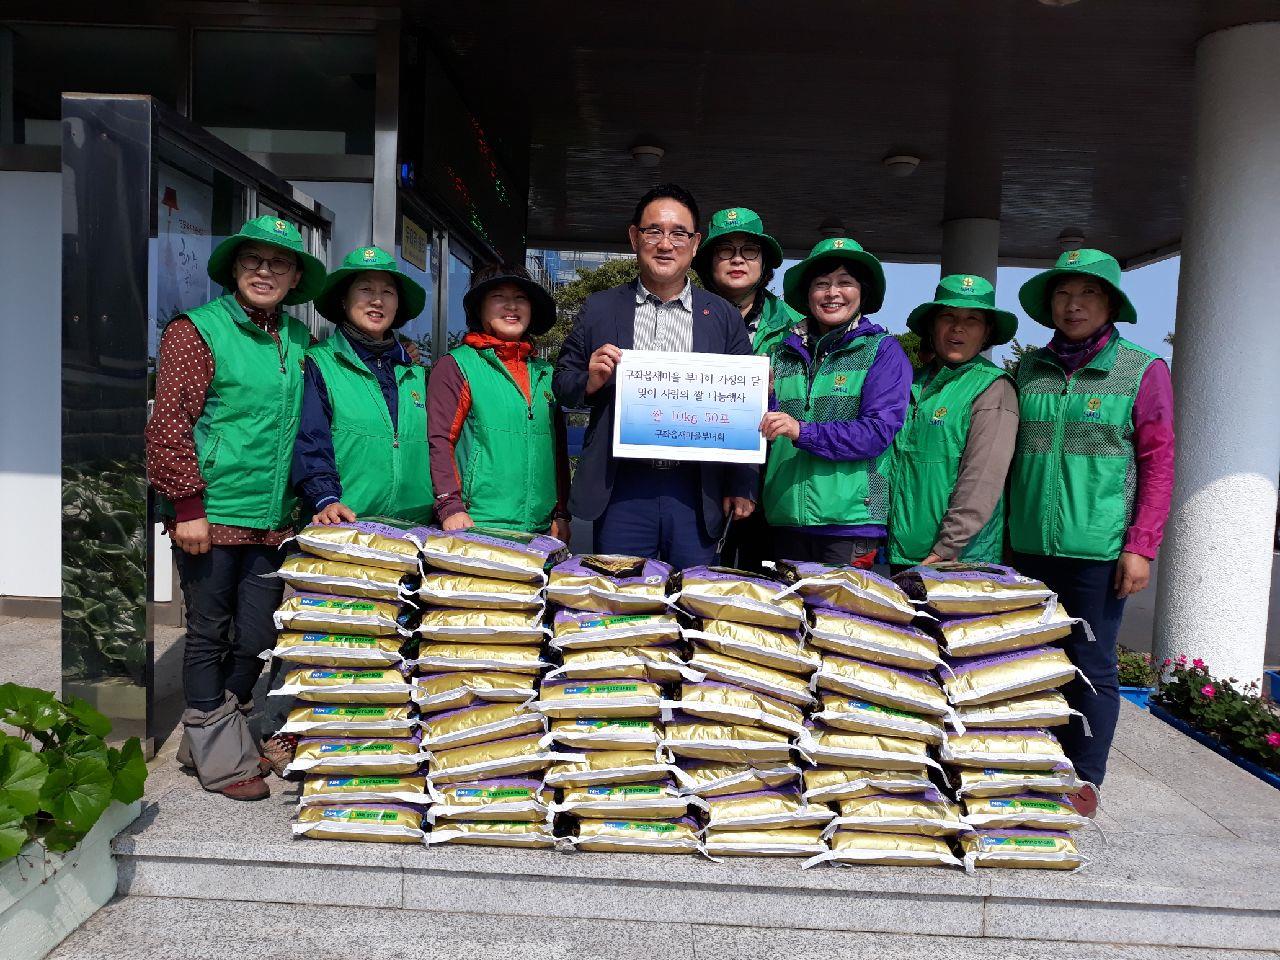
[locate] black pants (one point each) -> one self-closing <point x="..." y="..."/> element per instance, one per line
<point x="749" y="543"/>
<point x="229" y="608"/>
<point x="1087" y="590"/>
<point x="796" y="543"/>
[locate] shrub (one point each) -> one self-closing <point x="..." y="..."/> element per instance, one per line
<point x="1239" y="719"/>
<point x="1137" y="669"/>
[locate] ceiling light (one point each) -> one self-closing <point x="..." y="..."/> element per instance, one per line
<point x="832" y="227"/>
<point x="901" y="164"/>
<point x="1071" y="238"/>
<point x="647" y="154"/>
<point x="1058" y="3"/>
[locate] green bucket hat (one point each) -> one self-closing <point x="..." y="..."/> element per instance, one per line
<point x="1034" y="295"/>
<point x="841" y="248"/>
<point x="968" y="292"/>
<point x="277" y="233"/>
<point x="736" y="220"/>
<point x="329" y="301"/>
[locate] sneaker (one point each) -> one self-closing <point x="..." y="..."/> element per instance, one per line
<point x="255" y="788"/>
<point x="278" y="753"/>
<point x="1086" y="801"/>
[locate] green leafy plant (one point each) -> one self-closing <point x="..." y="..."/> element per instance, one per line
<point x="1137" y="669"/>
<point x="59" y="775"/>
<point x="1237" y="718"/>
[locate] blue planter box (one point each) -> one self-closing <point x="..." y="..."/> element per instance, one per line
<point x="1138" y="696"/>
<point x="1203" y="738"/>
<point x="1271" y="685"/>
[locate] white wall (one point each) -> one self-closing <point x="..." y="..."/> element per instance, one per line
<point x="30" y="384"/>
<point x="352" y="206"/>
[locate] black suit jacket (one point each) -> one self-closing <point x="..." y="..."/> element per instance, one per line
<point x="609" y="317"/>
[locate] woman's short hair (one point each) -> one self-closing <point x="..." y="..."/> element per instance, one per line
<point x="830" y="265"/>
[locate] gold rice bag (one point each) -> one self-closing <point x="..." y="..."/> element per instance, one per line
<point x="636" y="836"/>
<point x="477" y="593"/>
<point x="489" y="552"/>
<point x="599" y="699"/>
<point x="392" y="756"/>
<point x="494" y="758"/>
<point x="493" y="833"/>
<point x="851" y="589"/>
<point x="775" y="683"/>
<point x="452" y="691"/>
<point x="336" y="650"/>
<point x="1045" y="709"/>
<point x="887" y="849"/>
<point x="610" y="584"/>
<point x="777" y="842"/>
<point x="351" y="720"/>
<point x="779" y="809"/>
<point x="659" y="664"/>
<point x="727" y="703"/>
<point x="315" y="613"/>
<point x="896" y="645"/>
<point x="862" y="716"/>
<point x="928" y="813"/>
<point x="827" y="784"/>
<point x="775" y="649"/>
<point x="378" y="822"/>
<point x="1021" y="850"/>
<point x="589" y="630"/>
<point x="1026" y="810"/>
<point x="335" y="685"/>
<point x="705" y="778"/>
<point x="470" y="657"/>
<point x="910" y="690"/>
<point x="480" y="723"/>
<point x="518" y="627"/>
<point x="378" y="542"/>
<point x="593" y="767"/>
<point x="725" y="742"/>
<point x="367" y="788"/>
<point x="873" y="751"/>
<point x="1017" y="749"/>
<point x="504" y="798"/>
<point x="338" y="577"/>
<point x="968" y="589"/>
<point x="1005" y="675"/>
<point x="1060" y="778"/>
<point x="1006" y="632"/>
<point x="610" y="733"/>
<point x="626" y="801"/>
<point x="722" y="593"/>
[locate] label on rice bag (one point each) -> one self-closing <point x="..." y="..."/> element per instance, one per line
<point x="827" y="784"/>
<point x="595" y="767"/>
<point x="839" y="748"/>
<point x="489" y="552"/>
<point x="727" y="703"/>
<point x="340" y="577"/>
<point x="1026" y="810"/>
<point x="777" y="809"/>
<point x="351" y="720"/>
<point x="338" y="685"/>
<point x="480" y="723"/>
<point x="928" y="813"/>
<point x="599" y="698"/>
<point x="626" y="801"/>
<point x="610" y="584"/>
<point x="363" y="788"/>
<point x="378" y="542"/>
<point x="722" y="593"/>
<point x="1005" y="632"/>
<point x="887" y="849"/>
<point x="636" y="836"/>
<point x="1045" y="709"/>
<point x="774" y="683"/>
<point x="356" y="755"/>
<point x="1060" y="778"/>
<point x="850" y="589"/>
<point x="863" y="716"/>
<point x="1020" y="849"/>
<point x="502" y="798"/>
<point x="850" y="635"/>
<point x="453" y="690"/>
<point x="695" y="739"/>
<point x="1003" y="676"/>
<point x="909" y="690"/>
<point x="378" y="822"/>
<point x="493" y="833"/>
<point x="336" y="649"/>
<point x="315" y="613"/>
<point x="764" y="842"/>
<point x="776" y="649"/>
<point x="445" y="625"/>
<point x="969" y="589"/>
<point x="1029" y="749"/>
<point x="494" y="758"/>
<point x="472" y="657"/>
<point x="587" y="630"/>
<point x="706" y="778"/>
<point x="659" y="664"/>
<point x="606" y="733"/>
<point x="477" y="593"/>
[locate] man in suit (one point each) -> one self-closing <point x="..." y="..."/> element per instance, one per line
<point x="662" y="509"/>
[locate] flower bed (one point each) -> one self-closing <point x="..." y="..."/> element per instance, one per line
<point x="1138" y="676"/>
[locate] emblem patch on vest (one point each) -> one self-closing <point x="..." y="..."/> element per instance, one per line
<point x="939" y="415"/>
<point x="417" y="398"/>
<point x="1093" y="409"/>
<point x="841" y="383"/>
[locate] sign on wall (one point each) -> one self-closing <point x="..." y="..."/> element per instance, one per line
<point x="413" y="243"/>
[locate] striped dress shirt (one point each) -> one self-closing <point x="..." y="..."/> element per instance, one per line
<point x="664" y="326"/>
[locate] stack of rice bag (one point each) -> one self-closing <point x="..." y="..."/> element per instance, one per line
<point x="359" y="751"/>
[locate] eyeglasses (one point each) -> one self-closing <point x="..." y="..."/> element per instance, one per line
<point x="748" y="251"/>
<point x="277" y="265"/>
<point x="654" y="236"/>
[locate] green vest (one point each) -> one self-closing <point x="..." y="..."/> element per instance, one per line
<point x="926" y="463"/>
<point x="506" y="453"/>
<point x="774" y="323"/>
<point x="1074" y="476"/>
<point x="804" y="490"/>
<point x="385" y="471"/>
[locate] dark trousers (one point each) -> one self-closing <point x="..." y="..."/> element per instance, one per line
<point x="657" y="514"/>
<point x="229" y="607"/>
<point x="1086" y="589"/>
<point x="749" y="543"/>
<point x="797" y="543"/>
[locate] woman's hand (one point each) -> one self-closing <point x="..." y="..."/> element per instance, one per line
<point x="192" y="536"/>
<point x="1133" y="574"/>
<point x="561" y="529"/>
<point x="335" y="512"/>
<point x="777" y="424"/>
<point x="458" y="521"/>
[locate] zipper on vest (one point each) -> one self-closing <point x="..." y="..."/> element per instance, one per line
<point x="395" y="438"/>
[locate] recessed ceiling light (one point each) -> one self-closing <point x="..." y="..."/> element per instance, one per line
<point x="647" y="154"/>
<point x="1071" y="238"/>
<point x="832" y="227"/>
<point x="901" y="164"/>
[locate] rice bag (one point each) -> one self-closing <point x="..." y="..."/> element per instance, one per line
<point x="503" y="798"/>
<point x="392" y="756"/>
<point x="910" y="690"/>
<point x="727" y="703"/>
<point x="473" y="657"/>
<point x="706" y="778"/>
<point x="493" y="833"/>
<point x="480" y="723"/>
<point x="969" y="589"/>
<point x="862" y="716"/>
<point x="452" y="691"/>
<point x="778" y="809"/>
<point x="351" y="720"/>
<point x="336" y="650"/>
<point x="494" y="758"/>
<point x="886" y="849"/>
<point x="928" y="813"/>
<point x="777" y="842"/>
<point x="635" y="836"/>
<point x="590" y="630"/>
<point x="774" y="683"/>
<point x="1021" y="850"/>
<point x="382" y="822"/>
<point x="659" y="664"/>
<point x="726" y="742"/>
<point x="476" y="593"/>
<point x="850" y="589"/>
<point x="315" y="613"/>
<point x="363" y="788"/>
<point x="488" y="552"/>
<point x="594" y="767"/>
<point x="339" y="577"/>
<point x="617" y="733"/>
<point x="599" y="699"/>
<point x="1016" y="749"/>
<point x="1045" y="709"/>
<point x="518" y="627"/>
<point x="626" y="801"/>
<point x="873" y="751"/>
<point x="827" y="784"/>
<point x="893" y="644"/>
<point x="334" y="685"/>
<point x="775" y="649"/>
<point x="610" y="584"/>
<point x="991" y="782"/>
<point x="1025" y="811"/>
<point x="722" y="593"/>
<point x="377" y="542"/>
<point x="1005" y="675"/>
<point x="1005" y="632"/>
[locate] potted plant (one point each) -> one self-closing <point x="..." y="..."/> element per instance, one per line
<point x="1138" y="676"/>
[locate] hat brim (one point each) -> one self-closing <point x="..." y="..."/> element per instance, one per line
<point x="544" y="307"/>
<point x="308" y="288"/>
<point x="1033" y="295"/>
<point x="1004" y="324"/>
<point x="702" y="260"/>
<point x="798" y="299"/>
<point x="413" y="298"/>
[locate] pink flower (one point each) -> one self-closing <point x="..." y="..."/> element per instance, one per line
<point x="1273" y="739"/>
<point x="1208" y="690"/>
<point x="1182" y="659"/>
<point x="1198" y="663"/>
<point x="1167" y="662"/>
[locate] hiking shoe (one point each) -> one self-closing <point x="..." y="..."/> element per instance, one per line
<point x="1086" y="801"/>
<point x="255" y="788"/>
<point x="278" y="753"/>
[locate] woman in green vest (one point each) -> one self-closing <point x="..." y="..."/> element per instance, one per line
<point x="952" y="456"/>
<point x="1092" y="476"/>
<point x="498" y="451"/>
<point x="840" y="391"/>
<point x="219" y="444"/>
<point x="362" y="445"/>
